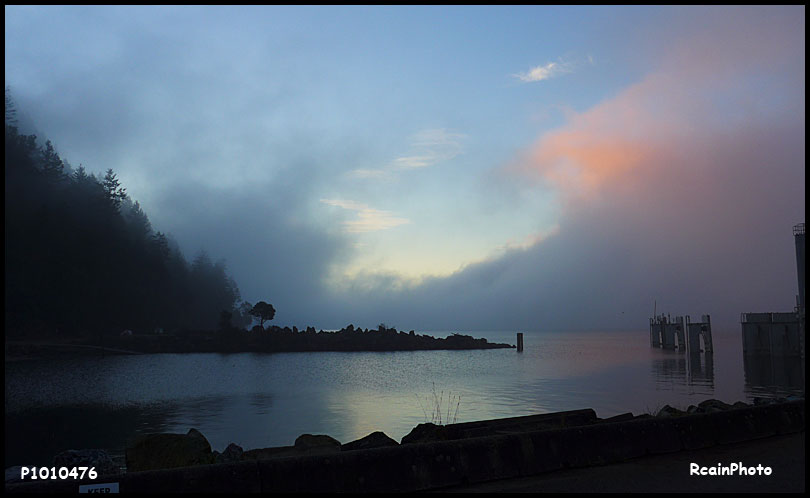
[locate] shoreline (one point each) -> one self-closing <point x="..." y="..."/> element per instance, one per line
<point x="509" y="453"/>
<point x="269" y="341"/>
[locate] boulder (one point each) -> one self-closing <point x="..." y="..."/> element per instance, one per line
<point x="423" y="433"/>
<point x="318" y="443"/>
<point x="668" y="411"/>
<point x="713" y="405"/>
<point x="166" y="451"/>
<point x="99" y="459"/>
<point x="374" y="440"/>
<point x="618" y="418"/>
<point x="233" y="453"/>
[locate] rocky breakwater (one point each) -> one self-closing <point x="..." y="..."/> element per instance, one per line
<point x="432" y="457"/>
<point x="277" y="339"/>
<point x="166" y="451"/>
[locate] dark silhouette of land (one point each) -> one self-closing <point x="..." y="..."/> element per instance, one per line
<point x="277" y="339"/>
<point x="84" y="267"/>
<point x="83" y="258"/>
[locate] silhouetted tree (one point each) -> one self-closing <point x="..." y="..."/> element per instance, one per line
<point x="242" y="318"/>
<point x="113" y="190"/>
<point x="139" y="225"/>
<point x="52" y="165"/>
<point x="263" y="311"/>
<point x="11" y="109"/>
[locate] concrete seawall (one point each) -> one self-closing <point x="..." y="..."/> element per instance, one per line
<point x="423" y="466"/>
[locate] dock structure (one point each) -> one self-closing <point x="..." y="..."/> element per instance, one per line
<point x="698" y="330"/>
<point x="777" y="334"/>
<point x="681" y="333"/>
<point x="667" y="332"/>
<point x="798" y="235"/>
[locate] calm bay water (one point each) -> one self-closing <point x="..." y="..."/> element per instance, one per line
<point x="260" y="400"/>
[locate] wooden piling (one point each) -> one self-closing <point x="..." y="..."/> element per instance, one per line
<point x="520" y="341"/>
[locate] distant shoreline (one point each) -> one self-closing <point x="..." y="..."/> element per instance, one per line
<point x="272" y="340"/>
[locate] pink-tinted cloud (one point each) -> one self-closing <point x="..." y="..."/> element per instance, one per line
<point x="697" y="170"/>
<point x="680" y="189"/>
<point x="711" y="85"/>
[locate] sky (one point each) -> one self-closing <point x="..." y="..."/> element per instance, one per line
<point x="445" y="168"/>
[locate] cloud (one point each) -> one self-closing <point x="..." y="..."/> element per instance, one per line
<point x="368" y="219"/>
<point x="427" y="148"/>
<point x="681" y="189"/>
<point x="431" y="147"/>
<point x="272" y="254"/>
<point x="371" y="174"/>
<point x="540" y="73"/>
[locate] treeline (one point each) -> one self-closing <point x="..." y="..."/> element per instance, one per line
<point x="82" y="256"/>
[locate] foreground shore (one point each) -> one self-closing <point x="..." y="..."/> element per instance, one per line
<point x="785" y="455"/>
<point x="505" y="454"/>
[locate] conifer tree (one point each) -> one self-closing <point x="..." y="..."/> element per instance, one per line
<point x="113" y="190"/>
<point x="52" y="164"/>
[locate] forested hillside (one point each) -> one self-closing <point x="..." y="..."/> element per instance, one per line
<point x="82" y="256"/>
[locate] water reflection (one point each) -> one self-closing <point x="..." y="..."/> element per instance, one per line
<point x="261" y="400"/>
<point x="700" y="369"/>
<point x="772" y="375"/>
<point x="675" y="370"/>
<point x="669" y="371"/>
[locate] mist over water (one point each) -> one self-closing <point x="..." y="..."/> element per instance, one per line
<point x="262" y="400"/>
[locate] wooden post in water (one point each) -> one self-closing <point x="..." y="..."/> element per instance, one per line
<point x="520" y="341"/>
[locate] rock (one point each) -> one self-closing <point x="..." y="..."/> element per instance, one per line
<point x="233" y="453"/>
<point x="692" y="409"/>
<point x="425" y="432"/>
<point x="374" y="440"/>
<point x="166" y="451"/>
<point x="197" y="434"/>
<point x="87" y="458"/>
<point x="618" y="418"/>
<point x="713" y="405"/>
<point x="668" y="411"/>
<point x="740" y="404"/>
<point x="319" y="443"/>
<point x="305" y="444"/>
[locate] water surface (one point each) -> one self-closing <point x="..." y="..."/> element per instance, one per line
<point x="259" y="400"/>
